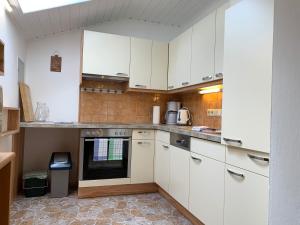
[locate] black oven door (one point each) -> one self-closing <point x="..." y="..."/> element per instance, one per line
<point x="105" y="166"/>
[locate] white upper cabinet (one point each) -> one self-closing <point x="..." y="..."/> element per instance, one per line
<point x="248" y="46"/>
<point x="180" y="60"/>
<point x="140" y="64"/>
<point x="105" y="54"/>
<point x="203" y="50"/>
<point x="159" y="72"/>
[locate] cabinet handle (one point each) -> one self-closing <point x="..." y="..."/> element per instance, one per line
<point x="196" y="159"/>
<point x="122" y="74"/>
<point x="233" y="141"/>
<point x="184" y="83"/>
<point x="236" y="174"/>
<point x="219" y="75"/>
<point x="165" y="146"/>
<point x="143" y="142"/>
<point x="140" y="86"/>
<point x="170" y="87"/>
<point x="142" y="132"/>
<point x="258" y="158"/>
<point x="207" y="78"/>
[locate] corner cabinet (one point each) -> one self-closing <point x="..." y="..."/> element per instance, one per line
<point x="179" y="175"/>
<point x="248" y="47"/>
<point x="180" y="60"/>
<point x="105" y="54"/>
<point x="140" y="63"/>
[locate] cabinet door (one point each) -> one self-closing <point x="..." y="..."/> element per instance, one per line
<point x="160" y="57"/>
<point x="105" y="54"/>
<point x="203" y="50"/>
<point x="179" y="175"/>
<point x="162" y="165"/>
<point x="140" y="64"/>
<point x="246" y="198"/>
<point x="246" y="113"/>
<point x="142" y="161"/>
<point x="180" y="60"/>
<point x="207" y="189"/>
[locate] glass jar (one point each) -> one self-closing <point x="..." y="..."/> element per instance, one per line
<point x="42" y="112"/>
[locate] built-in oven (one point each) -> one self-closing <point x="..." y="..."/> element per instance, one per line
<point x="104" y="154"/>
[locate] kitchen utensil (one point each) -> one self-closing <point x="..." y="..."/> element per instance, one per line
<point x="26" y="102"/>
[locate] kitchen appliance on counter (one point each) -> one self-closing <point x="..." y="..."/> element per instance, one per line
<point x="183" y="116"/>
<point x="171" y="114"/>
<point x="104" y="154"/>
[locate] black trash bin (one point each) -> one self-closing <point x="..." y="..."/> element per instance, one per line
<point x="60" y="166"/>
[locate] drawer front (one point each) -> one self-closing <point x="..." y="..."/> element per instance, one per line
<point x="163" y="136"/>
<point x="209" y="149"/>
<point x="143" y="134"/>
<point x="256" y="162"/>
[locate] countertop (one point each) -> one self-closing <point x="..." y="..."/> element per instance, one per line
<point x="187" y="130"/>
<point x="5" y="158"/>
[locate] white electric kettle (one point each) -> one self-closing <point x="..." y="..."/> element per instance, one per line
<point x="183" y="116"/>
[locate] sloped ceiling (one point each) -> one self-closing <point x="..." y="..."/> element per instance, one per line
<point x="178" y="13"/>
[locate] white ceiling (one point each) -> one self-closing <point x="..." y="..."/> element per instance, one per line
<point x="178" y="13"/>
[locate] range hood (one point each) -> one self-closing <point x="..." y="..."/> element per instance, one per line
<point x="97" y="77"/>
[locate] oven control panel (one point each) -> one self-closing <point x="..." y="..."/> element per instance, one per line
<point x="106" y="132"/>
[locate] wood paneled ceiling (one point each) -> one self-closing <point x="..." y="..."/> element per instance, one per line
<point x="166" y="12"/>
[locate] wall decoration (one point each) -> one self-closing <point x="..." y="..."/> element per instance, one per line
<point x="55" y="65"/>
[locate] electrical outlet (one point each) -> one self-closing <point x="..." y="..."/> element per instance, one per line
<point x="214" y="112"/>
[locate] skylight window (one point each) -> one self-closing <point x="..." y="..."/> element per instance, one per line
<point x="29" y="6"/>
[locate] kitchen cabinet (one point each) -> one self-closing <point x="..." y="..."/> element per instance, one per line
<point x="159" y="71"/>
<point x="246" y="113"/>
<point x="140" y="64"/>
<point x="105" y="54"/>
<point x="162" y="165"/>
<point x="206" y="200"/>
<point x="203" y="50"/>
<point x="142" y="161"/>
<point x="180" y="60"/>
<point x="179" y="175"/>
<point x="246" y="195"/>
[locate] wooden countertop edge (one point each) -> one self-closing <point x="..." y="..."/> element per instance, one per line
<point x="5" y="158"/>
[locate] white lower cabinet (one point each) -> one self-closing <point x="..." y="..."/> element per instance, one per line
<point x="142" y="161"/>
<point x="246" y="197"/>
<point x="162" y="165"/>
<point x="179" y="175"/>
<point x="206" y="200"/>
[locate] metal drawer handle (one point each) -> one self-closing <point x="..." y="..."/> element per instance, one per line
<point x="236" y="174"/>
<point x="258" y="158"/>
<point x="184" y="83"/>
<point x="219" y="75"/>
<point x="143" y="142"/>
<point x="170" y="87"/>
<point x="122" y="74"/>
<point x="196" y="159"/>
<point x="207" y="78"/>
<point x="232" y="140"/>
<point x="140" y="86"/>
<point x="165" y="146"/>
<point x="143" y="132"/>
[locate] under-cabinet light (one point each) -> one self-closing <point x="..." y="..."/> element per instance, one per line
<point x="211" y="89"/>
<point x="29" y="6"/>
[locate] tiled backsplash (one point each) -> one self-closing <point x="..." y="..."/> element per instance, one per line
<point x="136" y="107"/>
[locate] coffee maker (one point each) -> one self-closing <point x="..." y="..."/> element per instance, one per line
<point x="172" y="110"/>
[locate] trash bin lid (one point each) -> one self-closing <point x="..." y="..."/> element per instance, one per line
<point x="60" y="161"/>
<point x="35" y="174"/>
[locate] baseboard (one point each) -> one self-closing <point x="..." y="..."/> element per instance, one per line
<point x="125" y="189"/>
<point x="194" y="220"/>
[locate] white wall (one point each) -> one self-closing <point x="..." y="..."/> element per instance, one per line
<point x="59" y="90"/>
<point x="285" y="134"/>
<point x="14" y="48"/>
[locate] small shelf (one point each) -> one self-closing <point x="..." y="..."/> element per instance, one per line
<point x="1" y="58"/>
<point x="10" y="121"/>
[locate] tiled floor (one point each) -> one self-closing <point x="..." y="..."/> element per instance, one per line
<point x="148" y="209"/>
